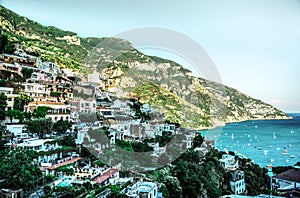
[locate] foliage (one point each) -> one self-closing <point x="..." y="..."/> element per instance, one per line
<point x="40" y="127"/>
<point x="21" y="101"/>
<point x="18" y="168"/>
<point x="61" y="126"/>
<point x="41" y="111"/>
<point x="26" y="73"/>
<point x="67" y="141"/>
<point x="3" y="105"/>
<point x="13" y="114"/>
<point x="162" y="140"/>
<point x="198" y="140"/>
<point x="124" y="145"/>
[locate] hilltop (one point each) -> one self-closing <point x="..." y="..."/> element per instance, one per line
<point x="190" y="101"/>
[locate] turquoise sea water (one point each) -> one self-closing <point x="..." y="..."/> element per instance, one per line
<point x="275" y="142"/>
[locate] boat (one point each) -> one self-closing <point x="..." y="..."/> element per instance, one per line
<point x="256" y="126"/>
<point x="287" y="160"/>
<point x="265" y="152"/>
<point x="274" y="135"/>
<point x="259" y="148"/>
<point x="232" y="136"/>
<point x="284" y="147"/>
<point x="292" y="156"/>
<point x="277" y="149"/>
<point x="271" y="160"/>
<point x="285" y="152"/>
<point x="270" y="146"/>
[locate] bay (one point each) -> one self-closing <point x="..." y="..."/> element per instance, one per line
<point x="266" y="142"/>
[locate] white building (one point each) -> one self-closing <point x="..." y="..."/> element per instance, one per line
<point x="121" y="107"/>
<point x="229" y="162"/>
<point x="142" y="189"/>
<point x="87" y="105"/>
<point x="8" y="91"/>
<point x="43" y="145"/>
<point x="36" y="90"/>
<point x="50" y="67"/>
<point x="237" y="182"/>
<point x="57" y="111"/>
<point x="16" y="129"/>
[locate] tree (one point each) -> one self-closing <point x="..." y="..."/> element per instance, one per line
<point x="21" y="101"/>
<point x="26" y="73"/>
<point x="40" y="127"/>
<point x="3" y="140"/>
<point x="41" y="111"/>
<point x="61" y="126"/>
<point x="3" y="105"/>
<point x="198" y="140"/>
<point x="18" y="168"/>
<point x="13" y="114"/>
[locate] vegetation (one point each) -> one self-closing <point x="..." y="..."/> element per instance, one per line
<point x="40" y="127"/>
<point x="20" y="102"/>
<point x="18" y="168"/>
<point x="3" y="105"/>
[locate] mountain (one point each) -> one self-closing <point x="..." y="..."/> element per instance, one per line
<point x="184" y="99"/>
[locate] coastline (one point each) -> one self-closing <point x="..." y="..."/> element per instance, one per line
<point x="222" y="123"/>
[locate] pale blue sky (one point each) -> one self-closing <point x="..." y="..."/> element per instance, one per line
<point x="255" y="44"/>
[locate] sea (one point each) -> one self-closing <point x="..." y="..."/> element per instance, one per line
<point x="266" y="142"/>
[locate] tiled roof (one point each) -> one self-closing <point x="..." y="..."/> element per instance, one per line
<point x="105" y="176"/>
<point x="64" y="163"/>
<point x="290" y="175"/>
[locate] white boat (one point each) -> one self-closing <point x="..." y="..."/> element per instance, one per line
<point x="287" y="160"/>
<point x="292" y="156"/>
<point x="271" y="160"/>
<point x="270" y="146"/>
<point x="285" y="152"/>
<point x="277" y="149"/>
<point x="232" y="136"/>
<point x="265" y="152"/>
<point x="256" y="126"/>
<point x="274" y="135"/>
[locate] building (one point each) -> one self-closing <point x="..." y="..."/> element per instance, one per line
<point x="57" y="111"/>
<point x="237" y="182"/>
<point x="109" y="177"/>
<point x="288" y="180"/>
<point x="106" y="112"/>
<point x="142" y="190"/>
<point x="229" y="162"/>
<point x="121" y="107"/>
<point x="87" y="105"/>
<point x="46" y="146"/>
<point x="8" y="91"/>
<point x="16" y="129"/>
<point x="50" y="67"/>
<point x="36" y="90"/>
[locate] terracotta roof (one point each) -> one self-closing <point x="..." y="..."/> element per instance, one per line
<point x="105" y="176"/>
<point x="48" y="102"/>
<point x="290" y="175"/>
<point x="64" y="163"/>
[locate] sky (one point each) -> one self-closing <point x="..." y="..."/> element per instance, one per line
<point x="254" y="44"/>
